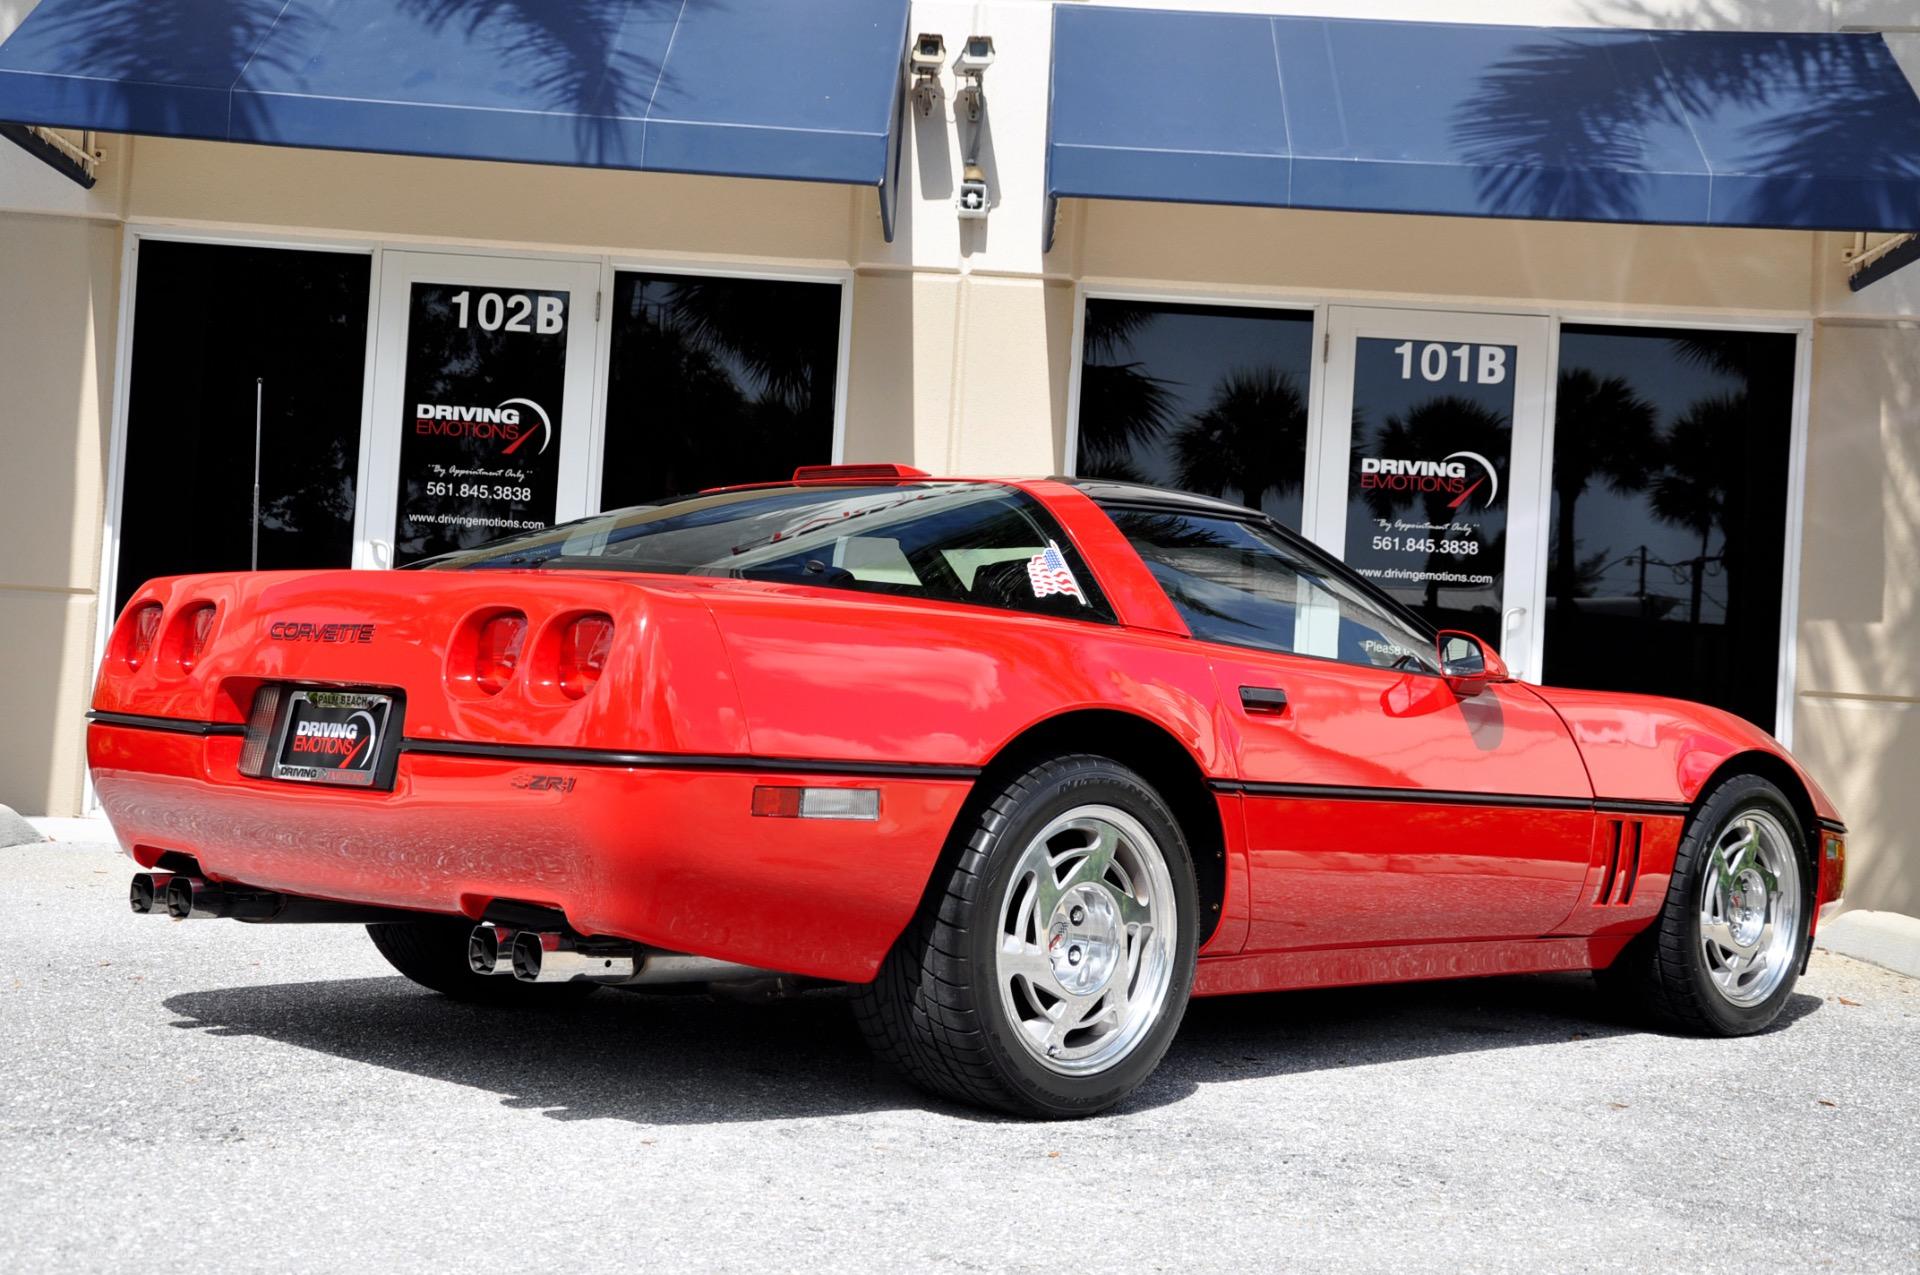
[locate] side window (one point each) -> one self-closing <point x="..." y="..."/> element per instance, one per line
<point x="989" y="546"/>
<point x="1238" y="583"/>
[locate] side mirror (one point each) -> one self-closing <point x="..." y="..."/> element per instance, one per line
<point x="1468" y="664"/>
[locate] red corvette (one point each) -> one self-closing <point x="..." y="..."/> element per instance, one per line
<point x="1029" y="763"/>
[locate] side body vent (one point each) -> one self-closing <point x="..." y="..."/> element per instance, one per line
<point x="1622" y="863"/>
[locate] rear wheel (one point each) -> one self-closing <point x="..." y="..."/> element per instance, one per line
<point x="433" y="953"/>
<point x="1051" y="972"/>
<point x="1722" y="957"/>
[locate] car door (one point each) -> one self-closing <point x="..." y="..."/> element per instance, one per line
<point x="1380" y="806"/>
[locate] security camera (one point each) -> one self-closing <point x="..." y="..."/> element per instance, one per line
<point x="925" y="56"/>
<point x="975" y="56"/>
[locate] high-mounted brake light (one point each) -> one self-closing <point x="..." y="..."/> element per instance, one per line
<point x="196" y="628"/>
<point x="146" y="623"/>
<point x="497" y="652"/>
<point x="838" y="473"/>
<point x="584" y="647"/>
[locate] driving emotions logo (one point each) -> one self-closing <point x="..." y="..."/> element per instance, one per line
<point x="346" y="745"/>
<point x="1455" y="476"/>
<point x="505" y="424"/>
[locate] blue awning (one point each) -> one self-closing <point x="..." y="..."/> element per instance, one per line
<point x="1808" y="132"/>
<point x="807" y="92"/>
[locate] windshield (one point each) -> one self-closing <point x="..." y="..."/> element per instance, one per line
<point x="981" y="543"/>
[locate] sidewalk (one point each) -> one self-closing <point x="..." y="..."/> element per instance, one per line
<point x="1887" y="939"/>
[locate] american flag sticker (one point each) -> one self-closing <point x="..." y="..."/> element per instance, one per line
<point x="1050" y="574"/>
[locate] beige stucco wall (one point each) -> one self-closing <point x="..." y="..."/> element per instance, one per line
<point x="1857" y="710"/>
<point x="59" y="278"/>
<point x="1438" y="260"/>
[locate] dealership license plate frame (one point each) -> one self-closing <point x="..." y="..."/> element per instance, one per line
<point x="379" y="776"/>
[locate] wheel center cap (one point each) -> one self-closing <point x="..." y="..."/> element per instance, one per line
<point x="1747" y="908"/>
<point x="1084" y="939"/>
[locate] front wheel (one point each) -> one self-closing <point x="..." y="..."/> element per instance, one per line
<point x="1723" y="954"/>
<point x="1051" y="972"/>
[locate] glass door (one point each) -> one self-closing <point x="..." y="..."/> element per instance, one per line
<point x="483" y="389"/>
<point x="1430" y="478"/>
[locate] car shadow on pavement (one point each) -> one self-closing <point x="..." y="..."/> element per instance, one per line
<point x="693" y="1059"/>
<point x="1283" y="1033"/>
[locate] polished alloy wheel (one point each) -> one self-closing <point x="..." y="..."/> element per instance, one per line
<point x="1750" y="908"/>
<point x="1086" y="940"/>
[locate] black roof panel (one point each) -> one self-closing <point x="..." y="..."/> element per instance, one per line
<point x="1112" y="491"/>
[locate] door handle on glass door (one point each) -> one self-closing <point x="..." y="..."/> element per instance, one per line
<point x="1270" y="700"/>
<point x="382" y="551"/>
<point x="1508" y="622"/>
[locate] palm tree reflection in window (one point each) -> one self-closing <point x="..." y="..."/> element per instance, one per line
<point x="1670" y="477"/>
<point x="1250" y="438"/>
<point x="1208" y="399"/>
<point x="716" y="381"/>
<point x="1603" y="431"/>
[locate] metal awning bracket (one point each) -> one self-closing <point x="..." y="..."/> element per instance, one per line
<point x="79" y="162"/>
<point x="1869" y="263"/>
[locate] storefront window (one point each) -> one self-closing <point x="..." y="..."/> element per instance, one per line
<point x="716" y="381"/>
<point x="1669" y="513"/>
<point x="1207" y="399"/>
<point x="210" y="319"/>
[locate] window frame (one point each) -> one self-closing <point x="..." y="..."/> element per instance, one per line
<point x="614" y="265"/>
<point x="1316" y="378"/>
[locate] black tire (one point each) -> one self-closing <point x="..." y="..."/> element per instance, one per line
<point x="935" y="1012"/>
<point x="1663" y="974"/>
<point x="433" y="953"/>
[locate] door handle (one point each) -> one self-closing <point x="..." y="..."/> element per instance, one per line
<point x="382" y="551"/>
<point x="1509" y="621"/>
<point x="1270" y="700"/>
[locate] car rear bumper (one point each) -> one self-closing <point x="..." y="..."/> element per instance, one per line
<point x="664" y="856"/>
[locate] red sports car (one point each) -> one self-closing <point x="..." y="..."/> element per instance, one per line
<point x="1027" y="763"/>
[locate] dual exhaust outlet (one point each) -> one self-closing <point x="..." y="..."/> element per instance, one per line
<point x="548" y="956"/>
<point x="189" y="898"/>
<point x="532" y="956"/>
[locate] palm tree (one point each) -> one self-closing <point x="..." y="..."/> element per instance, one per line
<point x="1251" y="436"/>
<point x="1603" y="430"/>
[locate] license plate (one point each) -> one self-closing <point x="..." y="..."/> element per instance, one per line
<point x="333" y="737"/>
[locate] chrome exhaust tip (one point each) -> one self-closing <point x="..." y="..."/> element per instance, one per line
<point x="191" y="899"/>
<point x="490" y="949"/>
<point x="148" y="893"/>
<point x="549" y="957"/>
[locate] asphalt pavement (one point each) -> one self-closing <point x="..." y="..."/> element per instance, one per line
<point x="252" y="1098"/>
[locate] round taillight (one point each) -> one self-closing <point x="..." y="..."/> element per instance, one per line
<point x="197" y="627"/>
<point x="144" y="626"/>
<point x="583" y="654"/>
<point x="496" y="652"/>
